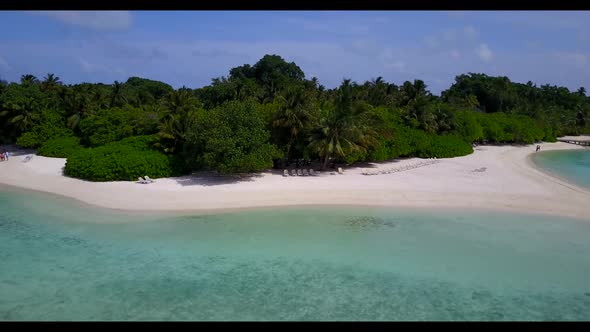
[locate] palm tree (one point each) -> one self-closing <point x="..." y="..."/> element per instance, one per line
<point x="117" y="96"/>
<point x="294" y="113"/>
<point x="77" y="105"/>
<point x="28" y="79"/>
<point x="50" y="82"/>
<point x="180" y="116"/>
<point x="26" y="113"/>
<point x="174" y="128"/>
<point x="348" y="128"/>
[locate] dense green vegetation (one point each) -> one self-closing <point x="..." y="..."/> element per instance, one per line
<point x="268" y="114"/>
<point x="127" y="159"/>
<point x="60" y="147"/>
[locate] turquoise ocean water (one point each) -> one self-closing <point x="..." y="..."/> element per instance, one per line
<point x="61" y="260"/>
<point x="570" y="165"/>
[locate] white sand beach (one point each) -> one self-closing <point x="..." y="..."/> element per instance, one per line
<point x="505" y="180"/>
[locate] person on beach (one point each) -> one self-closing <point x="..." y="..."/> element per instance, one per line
<point x="6" y="155"/>
<point x="2" y="156"/>
<point x="538" y="148"/>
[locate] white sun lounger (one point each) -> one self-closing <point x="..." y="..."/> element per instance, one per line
<point x="305" y="172"/>
<point x="147" y="178"/>
<point x="299" y="172"/>
<point x="293" y="172"/>
<point x="340" y="170"/>
<point x="285" y="173"/>
<point x="141" y="180"/>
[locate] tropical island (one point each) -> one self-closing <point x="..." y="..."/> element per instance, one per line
<point x="235" y="142"/>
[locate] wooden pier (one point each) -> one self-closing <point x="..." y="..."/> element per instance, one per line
<point x="575" y="141"/>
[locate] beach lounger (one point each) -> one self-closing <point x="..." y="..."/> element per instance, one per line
<point x="311" y="172"/>
<point x="285" y="173"/>
<point x="305" y="173"/>
<point x="147" y="178"/>
<point x="293" y="172"/>
<point x="340" y="170"/>
<point x="299" y="172"/>
<point x="141" y="180"/>
<point x="27" y="158"/>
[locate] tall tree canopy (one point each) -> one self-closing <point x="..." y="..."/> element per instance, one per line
<point x="268" y="113"/>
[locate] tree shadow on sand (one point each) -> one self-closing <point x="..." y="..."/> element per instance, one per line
<point x="15" y="150"/>
<point x="208" y="180"/>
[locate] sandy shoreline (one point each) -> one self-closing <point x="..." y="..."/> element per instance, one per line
<point x="509" y="183"/>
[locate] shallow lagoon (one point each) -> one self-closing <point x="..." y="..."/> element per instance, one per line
<point x="571" y="165"/>
<point x="61" y="260"/>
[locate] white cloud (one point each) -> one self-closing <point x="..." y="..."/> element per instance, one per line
<point x="452" y="39"/>
<point x="457" y="13"/>
<point x="330" y="26"/>
<point x="449" y="35"/>
<point x="87" y="66"/>
<point x="584" y="36"/>
<point x="531" y="44"/>
<point x="359" y="29"/>
<point x="96" y="20"/>
<point x="4" y="64"/>
<point x="397" y="65"/>
<point x="470" y="32"/>
<point x="545" y="20"/>
<point x="484" y="52"/>
<point x="577" y="59"/>
<point x="91" y="67"/>
<point x="382" y="20"/>
<point x="365" y="47"/>
<point x="431" y="41"/>
<point x="310" y="24"/>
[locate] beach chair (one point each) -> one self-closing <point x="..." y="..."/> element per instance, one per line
<point x="299" y="172"/>
<point x="340" y="170"/>
<point x="293" y="172"/>
<point x="141" y="180"/>
<point x="147" y="178"/>
<point x="311" y="172"/>
<point x="305" y="172"/>
<point x="27" y="158"/>
<point x="285" y="173"/>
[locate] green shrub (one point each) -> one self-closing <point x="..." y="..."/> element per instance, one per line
<point x="233" y="139"/>
<point x="108" y="125"/>
<point x="447" y="146"/>
<point x="51" y="126"/>
<point x="355" y="156"/>
<point x="124" y="160"/>
<point x="139" y="142"/>
<point x="60" y="147"/>
<point x="28" y="140"/>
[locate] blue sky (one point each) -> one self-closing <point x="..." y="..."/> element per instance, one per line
<point x="191" y="47"/>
